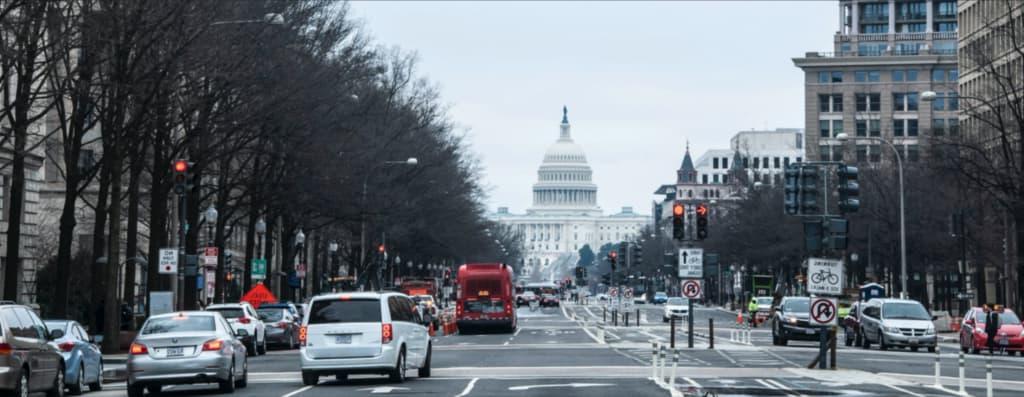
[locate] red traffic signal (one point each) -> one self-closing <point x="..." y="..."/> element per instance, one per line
<point x="180" y="166"/>
<point x="678" y="209"/>
<point x="380" y="248"/>
<point x="702" y="210"/>
<point x="613" y="254"/>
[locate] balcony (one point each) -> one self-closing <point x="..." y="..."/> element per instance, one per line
<point x="916" y="36"/>
<point x="893" y="52"/>
<point x="874" y="18"/>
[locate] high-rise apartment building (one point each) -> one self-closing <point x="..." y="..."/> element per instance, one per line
<point x="886" y="53"/>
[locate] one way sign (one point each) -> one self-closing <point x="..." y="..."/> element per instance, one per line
<point x="691" y="263"/>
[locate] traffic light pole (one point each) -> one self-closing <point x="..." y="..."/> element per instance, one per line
<point x="179" y="279"/>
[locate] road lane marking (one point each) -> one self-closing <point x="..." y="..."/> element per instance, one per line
<point x="762" y="382"/>
<point x="692" y="382"/>
<point x="907" y="392"/>
<point x="572" y="385"/>
<point x="785" y="360"/>
<point x="304" y="388"/>
<point x="783" y="387"/>
<point x="731" y="360"/>
<point x="468" y="389"/>
<point x="517" y="331"/>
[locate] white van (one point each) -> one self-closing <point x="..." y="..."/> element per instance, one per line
<point x="363" y="333"/>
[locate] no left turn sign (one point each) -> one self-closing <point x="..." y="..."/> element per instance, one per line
<point x="823" y="311"/>
<point x="692" y="289"/>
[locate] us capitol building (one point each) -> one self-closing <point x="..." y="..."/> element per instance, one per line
<point x="565" y="215"/>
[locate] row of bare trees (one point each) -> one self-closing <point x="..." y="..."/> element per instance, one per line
<point x="285" y="121"/>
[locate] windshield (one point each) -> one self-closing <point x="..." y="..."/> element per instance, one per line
<point x="1005" y="318"/>
<point x="659" y="295"/>
<point x="186" y="323"/>
<point x="905" y="311"/>
<point x="764" y="301"/>
<point x="270" y="314"/>
<point x="52" y="325"/>
<point x="676" y="301"/>
<point x="794" y="306"/>
<point x="345" y="311"/>
<point x="229" y="313"/>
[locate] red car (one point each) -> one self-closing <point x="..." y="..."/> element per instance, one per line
<point x="973" y="337"/>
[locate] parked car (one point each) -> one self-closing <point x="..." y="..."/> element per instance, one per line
<point x="675" y="307"/>
<point x="83" y="361"/>
<point x="525" y="298"/>
<point x="549" y="300"/>
<point x="365" y="332"/>
<point x="187" y="348"/>
<point x="602" y="297"/>
<point x="24" y="344"/>
<point x="973" y="338"/>
<point x="764" y="308"/>
<point x="660" y="298"/>
<point x="281" y="325"/>
<point x="851" y="325"/>
<point x="243" y="316"/>
<point x="896" y="322"/>
<point x="639" y="300"/>
<point x="791" y="321"/>
<point x="292" y="308"/>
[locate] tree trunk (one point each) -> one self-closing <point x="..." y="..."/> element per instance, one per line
<point x="250" y="250"/>
<point x="12" y="268"/>
<point x="67" y="236"/>
<point x="99" y="243"/>
<point x="158" y="197"/>
<point x="131" y="247"/>
<point x="111" y="312"/>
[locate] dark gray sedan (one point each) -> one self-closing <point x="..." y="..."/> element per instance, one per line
<point x="282" y="326"/>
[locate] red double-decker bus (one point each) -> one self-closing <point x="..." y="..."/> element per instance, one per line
<point x="485" y="298"/>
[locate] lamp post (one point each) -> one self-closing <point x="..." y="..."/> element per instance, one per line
<point x="210" y="216"/>
<point x="332" y="250"/>
<point x="903" y="224"/>
<point x="300" y="241"/>
<point x="411" y="161"/>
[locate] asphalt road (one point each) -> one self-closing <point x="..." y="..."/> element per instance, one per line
<point x="561" y="352"/>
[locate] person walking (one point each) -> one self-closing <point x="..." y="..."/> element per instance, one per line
<point x="992" y="327"/>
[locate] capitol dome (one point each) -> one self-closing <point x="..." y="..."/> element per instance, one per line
<point x="564" y="179"/>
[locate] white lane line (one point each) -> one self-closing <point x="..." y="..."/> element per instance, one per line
<point x="298" y="391"/>
<point x="771" y="353"/>
<point x="763" y="383"/>
<point x="907" y="392"/>
<point x="692" y="382"/>
<point x="505" y="344"/>
<point x="468" y="389"/>
<point x="517" y="331"/>
<point x="731" y="360"/>
<point x="783" y="387"/>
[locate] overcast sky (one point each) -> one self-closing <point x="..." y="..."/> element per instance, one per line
<point x="639" y="78"/>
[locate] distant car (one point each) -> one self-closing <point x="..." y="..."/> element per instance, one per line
<point x="791" y="321"/>
<point x="281" y="325"/>
<point x="896" y="322"/>
<point x="660" y="298"/>
<point x="851" y="325"/>
<point x="243" y="316"/>
<point x="28" y="362"/>
<point x="429" y="309"/>
<point x="764" y="308"/>
<point x="187" y="348"/>
<point x="525" y="298"/>
<point x="292" y="308"/>
<point x="549" y="300"/>
<point x="602" y="297"/>
<point x="363" y="332"/>
<point x="675" y="307"/>
<point x="82" y="359"/>
<point x="639" y="300"/>
<point x="1009" y="338"/>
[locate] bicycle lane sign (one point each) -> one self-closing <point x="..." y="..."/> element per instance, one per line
<point x="824" y="276"/>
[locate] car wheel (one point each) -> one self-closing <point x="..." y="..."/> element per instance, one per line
<point x="244" y="381"/>
<point x="292" y="344"/>
<point x="849" y="337"/>
<point x="424" y="371"/>
<point x="250" y="349"/>
<point x="865" y="342"/>
<point x="228" y="385"/>
<point x="79" y="386"/>
<point x="98" y="385"/>
<point x="309" y="378"/>
<point x="133" y="391"/>
<point x="931" y="349"/>
<point x="262" y="349"/>
<point x="21" y="385"/>
<point x="881" y="342"/>
<point x="775" y="336"/>
<point x="155" y="389"/>
<point x="398" y="373"/>
<point x="57" y="390"/>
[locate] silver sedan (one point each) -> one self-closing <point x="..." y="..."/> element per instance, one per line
<point x="186" y="348"/>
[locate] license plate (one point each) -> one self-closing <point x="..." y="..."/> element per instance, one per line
<point x="809" y="331"/>
<point x="484" y="293"/>
<point x="1004" y="341"/>
<point x="343" y="339"/>
<point x="913" y="341"/>
<point x="175" y="351"/>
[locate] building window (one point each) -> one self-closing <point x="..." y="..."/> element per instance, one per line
<point x="725" y="162"/>
<point x="862" y="128"/>
<point x="776" y="162"/>
<point x="862" y="153"/>
<point x="904" y="127"/>
<point x="904" y="75"/>
<point x="897" y="128"/>
<point x="799" y="159"/>
<point x="953" y="125"/>
<point x="869" y="127"/>
<point x="869" y="102"/>
<point x="704" y="179"/>
<point x="837" y="128"/>
<point x="824" y="127"/>
<point x="757" y="162"/>
<point x="945" y="26"/>
<point x="823" y="150"/>
<point x="716" y="178"/>
<point x="938" y="127"/>
<point x="869" y="76"/>
<point x="830" y="77"/>
<point x="746" y="162"/>
<point x="904" y="101"/>
<point x="912" y="127"/>
<point x="939" y="75"/>
<point x="765" y="162"/>
<point x="912" y="27"/>
<point x="874" y="28"/>
<point x="785" y="162"/>
<point x="725" y="178"/>
<point x="876" y="153"/>
<point x="837" y="153"/>
<point x="954" y="100"/>
<point x="714" y="163"/>
<point x="913" y="154"/>
<point x="829" y="103"/>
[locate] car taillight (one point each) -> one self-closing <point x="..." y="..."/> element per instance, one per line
<point x="244" y="320"/>
<point x="458" y="309"/>
<point x="508" y="308"/>
<point x="302" y="335"/>
<point x="138" y="348"/>
<point x="6" y="349"/>
<point x="282" y="325"/>
<point x="67" y="346"/>
<point x="386" y="333"/>
<point x="213" y="345"/>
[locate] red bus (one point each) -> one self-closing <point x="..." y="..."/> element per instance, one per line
<point x="485" y="298"/>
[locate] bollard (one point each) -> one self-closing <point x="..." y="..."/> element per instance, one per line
<point x="675" y="363"/>
<point x="711" y="333"/>
<point x="938" y="366"/>
<point x="604" y="311"/>
<point x="988" y="376"/>
<point x="600" y="333"/>
<point x="638" y="317"/>
<point x="654" y="360"/>
<point x="615" y="318"/>
<point x="661" y="359"/>
<point x="625" y="317"/>
<point x="672" y="331"/>
<point x="963" y="390"/>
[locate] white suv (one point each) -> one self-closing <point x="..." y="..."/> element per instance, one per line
<point x="363" y="333"/>
<point x="243" y="316"/>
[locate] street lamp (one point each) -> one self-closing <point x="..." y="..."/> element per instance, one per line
<point x="842" y="136"/>
<point x="411" y="161"/>
<point x="300" y="241"/>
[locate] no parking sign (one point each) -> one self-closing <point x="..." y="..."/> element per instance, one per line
<point x="692" y="289"/>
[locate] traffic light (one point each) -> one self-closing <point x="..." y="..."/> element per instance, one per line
<point x="624" y="252"/>
<point x="702" y="221"/>
<point x="792" y="200"/>
<point x="808" y="190"/>
<point x="612" y="258"/>
<point x="381" y="248"/>
<point x="678" y="221"/>
<point x="638" y="253"/>
<point x="849" y="189"/>
<point x="837" y="230"/>
<point x="181" y="174"/>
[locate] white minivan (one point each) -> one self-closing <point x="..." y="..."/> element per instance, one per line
<point x="363" y="333"/>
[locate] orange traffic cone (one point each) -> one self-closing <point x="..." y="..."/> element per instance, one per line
<point x="739" y="318"/>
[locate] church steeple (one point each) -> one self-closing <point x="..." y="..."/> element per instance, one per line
<point x="565" y="136"/>
<point x="687" y="173"/>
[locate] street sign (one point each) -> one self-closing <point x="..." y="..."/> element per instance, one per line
<point x="259" y="269"/>
<point x="824" y="276"/>
<point x="691" y="263"/>
<point x="300" y="270"/>
<point x="211" y="251"/>
<point x="823" y="311"/>
<point x="613" y="292"/>
<point x="629" y="293"/>
<point x="168" y="261"/>
<point x="692" y="289"/>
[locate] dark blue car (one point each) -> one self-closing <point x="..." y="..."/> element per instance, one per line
<point x="660" y="298"/>
<point x="83" y="360"/>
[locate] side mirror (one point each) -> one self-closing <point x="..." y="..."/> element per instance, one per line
<point x="935" y="318"/>
<point x="969" y="322"/>
<point x="56" y="334"/>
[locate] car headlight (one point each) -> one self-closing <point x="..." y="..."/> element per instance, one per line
<point x="929" y="331"/>
<point x="892" y="330"/>
<point x="791" y="320"/>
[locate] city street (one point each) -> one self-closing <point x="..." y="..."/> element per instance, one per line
<point x="551" y="353"/>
